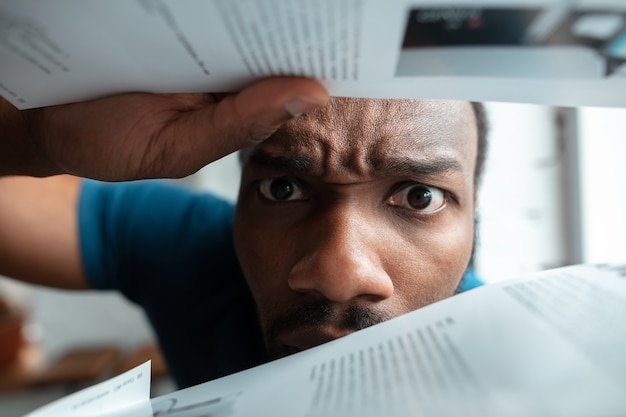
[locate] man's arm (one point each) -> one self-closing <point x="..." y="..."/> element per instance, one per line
<point x="141" y="135"/>
<point x="38" y="231"/>
<point x="18" y="153"/>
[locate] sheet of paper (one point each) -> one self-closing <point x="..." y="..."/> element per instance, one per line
<point x="546" y="346"/>
<point x="558" y="52"/>
<point x="125" y="395"/>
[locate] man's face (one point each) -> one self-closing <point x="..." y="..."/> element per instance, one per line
<point x="354" y="214"/>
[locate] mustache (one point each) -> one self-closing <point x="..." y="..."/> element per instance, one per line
<point x="323" y="312"/>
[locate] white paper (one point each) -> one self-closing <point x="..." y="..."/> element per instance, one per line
<point x="125" y="395"/>
<point x="551" y="345"/>
<point x="546" y="345"/>
<point x="557" y="52"/>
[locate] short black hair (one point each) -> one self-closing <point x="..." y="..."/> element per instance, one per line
<point x="482" y="129"/>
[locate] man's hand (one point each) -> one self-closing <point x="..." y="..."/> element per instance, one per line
<point x="142" y="135"/>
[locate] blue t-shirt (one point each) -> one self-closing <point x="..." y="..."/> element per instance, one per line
<point x="170" y="250"/>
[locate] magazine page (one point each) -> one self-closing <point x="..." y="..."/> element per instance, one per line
<point x="545" y="346"/>
<point x="556" y="52"/>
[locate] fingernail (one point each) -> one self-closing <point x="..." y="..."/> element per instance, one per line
<point x="301" y="105"/>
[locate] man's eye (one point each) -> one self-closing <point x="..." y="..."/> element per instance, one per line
<point x="281" y="189"/>
<point x="419" y="197"/>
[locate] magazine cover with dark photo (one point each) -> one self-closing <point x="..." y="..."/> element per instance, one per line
<point x="556" y="41"/>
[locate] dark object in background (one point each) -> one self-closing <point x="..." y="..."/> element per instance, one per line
<point x="441" y="27"/>
<point x="12" y="340"/>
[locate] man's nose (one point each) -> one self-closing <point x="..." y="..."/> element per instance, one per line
<point x="342" y="259"/>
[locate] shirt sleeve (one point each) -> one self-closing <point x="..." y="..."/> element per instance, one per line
<point x="146" y="230"/>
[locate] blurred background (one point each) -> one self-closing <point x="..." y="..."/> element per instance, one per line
<point x="552" y="195"/>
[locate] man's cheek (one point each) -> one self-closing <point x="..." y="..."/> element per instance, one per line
<point x="261" y="260"/>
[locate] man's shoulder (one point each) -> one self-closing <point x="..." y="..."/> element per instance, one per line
<point x="469" y="281"/>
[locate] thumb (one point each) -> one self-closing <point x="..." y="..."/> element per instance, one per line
<point x="251" y="116"/>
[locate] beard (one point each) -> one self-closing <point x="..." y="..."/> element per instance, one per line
<point x="317" y="314"/>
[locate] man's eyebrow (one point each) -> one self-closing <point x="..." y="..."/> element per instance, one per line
<point x="298" y="164"/>
<point x="409" y="167"/>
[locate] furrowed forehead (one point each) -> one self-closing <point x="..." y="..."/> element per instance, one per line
<point x="350" y="129"/>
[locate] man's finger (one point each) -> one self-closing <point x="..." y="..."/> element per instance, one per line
<point x="249" y="117"/>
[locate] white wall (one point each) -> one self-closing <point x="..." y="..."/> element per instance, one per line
<point x="602" y="161"/>
<point x="527" y="218"/>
